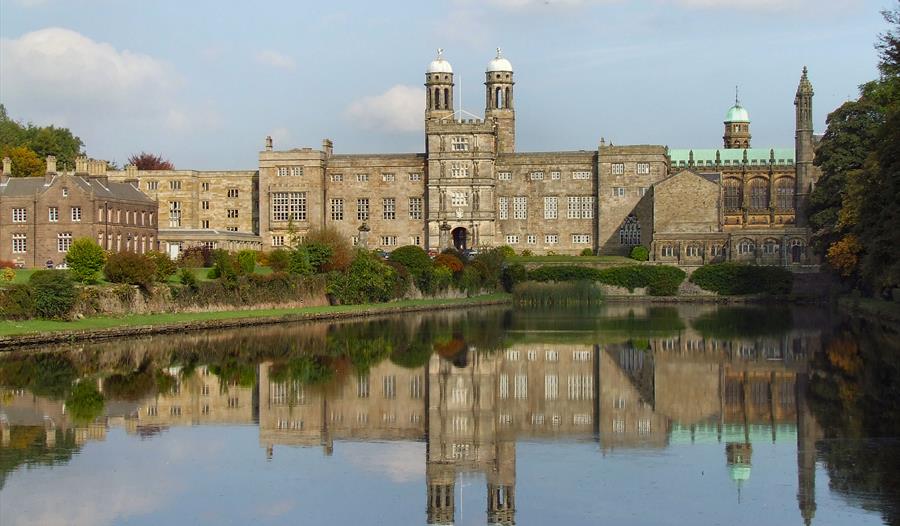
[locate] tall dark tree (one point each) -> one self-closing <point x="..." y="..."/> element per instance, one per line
<point x="42" y="140"/>
<point x="149" y="161"/>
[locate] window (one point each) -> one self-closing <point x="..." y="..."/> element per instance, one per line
<point x="618" y="426"/>
<point x="288" y="206"/>
<point x="784" y="193"/>
<point x="230" y="228"/>
<point x="389" y="205"/>
<point x="574" y="210"/>
<point x="587" y="207"/>
<point x="459" y="199"/>
<point x="174" y="185"/>
<point x="458" y="169"/>
<point x="630" y="232"/>
<point x="581" y="207"/>
<point x="770" y="247"/>
<point x="551" y="239"/>
<point x="362" y="178"/>
<point x="537" y="176"/>
<point x="644" y="426"/>
<point x="531" y="239"/>
<point x="551" y="207"/>
<point x="65" y="192"/>
<point x="415" y="177"/>
<point x="337" y="178"/>
<point x="503" y="207"/>
<point x="618" y="168"/>
<point x="389" y="387"/>
<point x="19" y="215"/>
<point x="204" y="205"/>
<point x="362" y="386"/>
<point x="520" y="387"/>
<point x="732" y="194"/>
<point x="232" y="192"/>
<point x="693" y="251"/>
<point x="415" y="208"/>
<point x="759" y="194"/>
<point x="389" y="241"/>
<point x="76" y="213"/>
<point x="746" y="247"/>
<point x="388" y="177"/>
<point x="296" y="171"/>
<point x="551" y="387"/>
<point x="232" y="213"/>
<point x="581" y="239"/>
<point x="581" y="175"/>
<point x="642" y="168"/>
<point x="362" y="209"/>
<point x="152" y="185"/>
<point x="415" y="240"/>
<point x="19" y="243"/>
<point x="619" y="191"/>
<point x="174" y="214"/>
<point x="63" y="241"/>
<point x="204" y="223"/>
<point x="643" y="191"/>
<point x="512" y="239"/>
<point x="520" y="207"/>
<point x="53" y="214"/>
<point x="460" y="144"/>
<point x="282" y="171"/>
<point x="668" y="251"/>
<point x="204" y="187"/>
<point x="277" y="241"/>
<point x="504" y="176"/>
<point x="337" y="209"/>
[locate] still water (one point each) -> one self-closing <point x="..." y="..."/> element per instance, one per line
<point x="620" y="415"/>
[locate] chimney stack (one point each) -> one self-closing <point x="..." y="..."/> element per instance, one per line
<point x="7" y="170"/>
<point x="328" y="147"/>
<point x="268" y="143"/>
<point x="51" y="169"/>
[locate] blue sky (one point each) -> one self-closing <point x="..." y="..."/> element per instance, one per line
<point x="203" y="82"/>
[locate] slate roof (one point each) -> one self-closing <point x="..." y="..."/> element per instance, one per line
<point x="28" y="186"/>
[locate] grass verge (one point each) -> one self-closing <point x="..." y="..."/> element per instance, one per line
<point x="16" y="328"/>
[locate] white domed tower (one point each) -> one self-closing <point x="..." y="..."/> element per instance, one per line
<point x="499" y="102"/>
<point x="737" y="125"/>
<point x="439" y="88"/>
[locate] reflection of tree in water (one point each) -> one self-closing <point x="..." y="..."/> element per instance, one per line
<point x="28" y="446"/>
<point x="854" y="394"/>
<point x="745" y="322"/>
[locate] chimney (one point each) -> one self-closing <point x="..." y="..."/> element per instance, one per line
<point x="327" y="147"/>
<point x="96" y="170"/>
<point x="7" y="170"/>
<point x="131" y="170"/>
<point x="268" y="143"/>
<point x="81" y="165"/>
<point x="133" y="182"/>
<point x="51" y="169"/>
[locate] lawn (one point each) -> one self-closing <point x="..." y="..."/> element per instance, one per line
<point x="13" y="328"/>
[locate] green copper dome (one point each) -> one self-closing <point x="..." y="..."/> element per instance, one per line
<point x="737" y="113"/>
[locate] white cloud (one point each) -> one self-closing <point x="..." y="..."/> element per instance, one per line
<point x="399" y="461"/>
<point x="399" y="109"/>
<point x="275" y="59"/>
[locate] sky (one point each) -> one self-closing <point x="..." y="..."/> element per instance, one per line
<point x="203" y="82"/>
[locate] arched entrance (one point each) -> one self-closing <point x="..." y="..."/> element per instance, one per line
<point x="460" y="238"/>
<point x="796" y="253"/>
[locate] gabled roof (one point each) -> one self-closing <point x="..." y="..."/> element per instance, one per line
<point x="28" y="186"/>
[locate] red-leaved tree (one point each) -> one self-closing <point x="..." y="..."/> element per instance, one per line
<point x="149" y="161"/>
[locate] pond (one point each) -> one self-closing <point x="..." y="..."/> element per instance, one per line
<point x="620" y="414"/>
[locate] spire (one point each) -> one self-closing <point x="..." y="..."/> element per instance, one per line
<point x="805" y="88"/>
<point x="737" y="99"/>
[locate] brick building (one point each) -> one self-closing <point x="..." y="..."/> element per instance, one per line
<point x="41" y="216"/>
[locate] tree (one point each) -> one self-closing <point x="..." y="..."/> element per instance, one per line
<point x="149" y="161"/>
<point x="42" y="140"/>
<point x="25" y="163"/>
<point x="85" y="259"/>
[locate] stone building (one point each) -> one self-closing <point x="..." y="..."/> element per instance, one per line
<point x="41" y="216"/>
<point x="216" y="209"/>
<point x="471" y="188"/>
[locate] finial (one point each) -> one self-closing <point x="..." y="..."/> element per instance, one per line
<point x="804" y="71"/>
<point x="737" y="99"/>
<point x="440" y="53"/>
<point x="499" y="52"/>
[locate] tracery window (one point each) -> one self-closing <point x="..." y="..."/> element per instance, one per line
<point x="732" y="194"/>
<point x="784" y="193"/>
<point x="759" y="194"/>
<point x="630" y="232"/>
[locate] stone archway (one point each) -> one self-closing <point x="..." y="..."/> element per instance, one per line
<point x="460" y="238"/>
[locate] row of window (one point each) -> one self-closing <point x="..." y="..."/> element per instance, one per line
<point x="388" y="208"/>
<point x="538" y="175"/>
<point x="204" y="187"/>
<point x="549" y="239"/>
<point x="639" y="168"/>
<point x="579" y="207"/>
<point x="20" y="215"/>
<point x="293" y="171"/>
<point x="387" y="177"/>
<point x="759" y="194"/>
<point x="64" y="242"/>
<point x="579" y="387"/>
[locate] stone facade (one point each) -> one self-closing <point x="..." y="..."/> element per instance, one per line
<point x="470" y="188"/>
<point x="41" y="216"/>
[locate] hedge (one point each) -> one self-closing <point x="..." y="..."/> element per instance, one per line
<point x="660" y="280"/>
<point x="734" y="279"/>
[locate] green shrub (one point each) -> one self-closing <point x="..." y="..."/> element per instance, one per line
<point x="507" y="251"/>
<point x="85" y="259"/>
<point x="16" y="302"/>
<point x="187" y="278"/>
<point x="490" y="264"/>
<point x="402" y="280"/>
<point x="318" y="253"/>
<point x="413" y="258"/>
<point x="165" y="267"/>
<point x="252" y="289"/>
<point x="246" y="260"/>
<point x="587" y="252"/>
<point x="471" y="280"/>
<point x="84" y="403"/>
<point x="513" y="275"/>
<point x="7" y="275"/>
<point x="299" y="262"/>
<point x="340" y="253"/>
<point x="194" y="257"/>
<point x="366" y="280"/>
<point x="52" y="292"/>
<point x="639" y="253"/>
<point x="279" y="260"/>
<point x="734" y="279"/>
<point x="131" y="269"/>
<point x="442" y="278"/>
<point x="527" y="253"/>
<point x="225" y="266"/>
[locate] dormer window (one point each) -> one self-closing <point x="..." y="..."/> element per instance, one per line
<point x="65" y="192"/>
<point x="460" y="144"/>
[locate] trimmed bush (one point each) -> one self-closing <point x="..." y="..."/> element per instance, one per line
<point x="187" y="278"/>
<point x="253" y="289"/>
<point x="53" y="293"/>
<point x="165" y="267"/>
<point x="734" y="279"/>
<point x="246" y="260"/>
<point x="587" y="252"/>
<point x="8" y="275"/>
<point x="340" y="255"/>
<point x="413" y="258"/>
<point x="16" y="302"/>
<point x="366" y="280"/>
<point x="639" y="253"/>
<point x="279" y="260"/>
<point x="225" y="266"/>
<point x="507" y="251"/>
<point x="131" y="269"/>
<point x="318" y="253"/>
<point x="660" y="280"/>
<point x="85" y="259"/>
<point x="300" y="263"/>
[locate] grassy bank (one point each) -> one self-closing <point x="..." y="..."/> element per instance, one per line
<point x="104" y="323"/>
